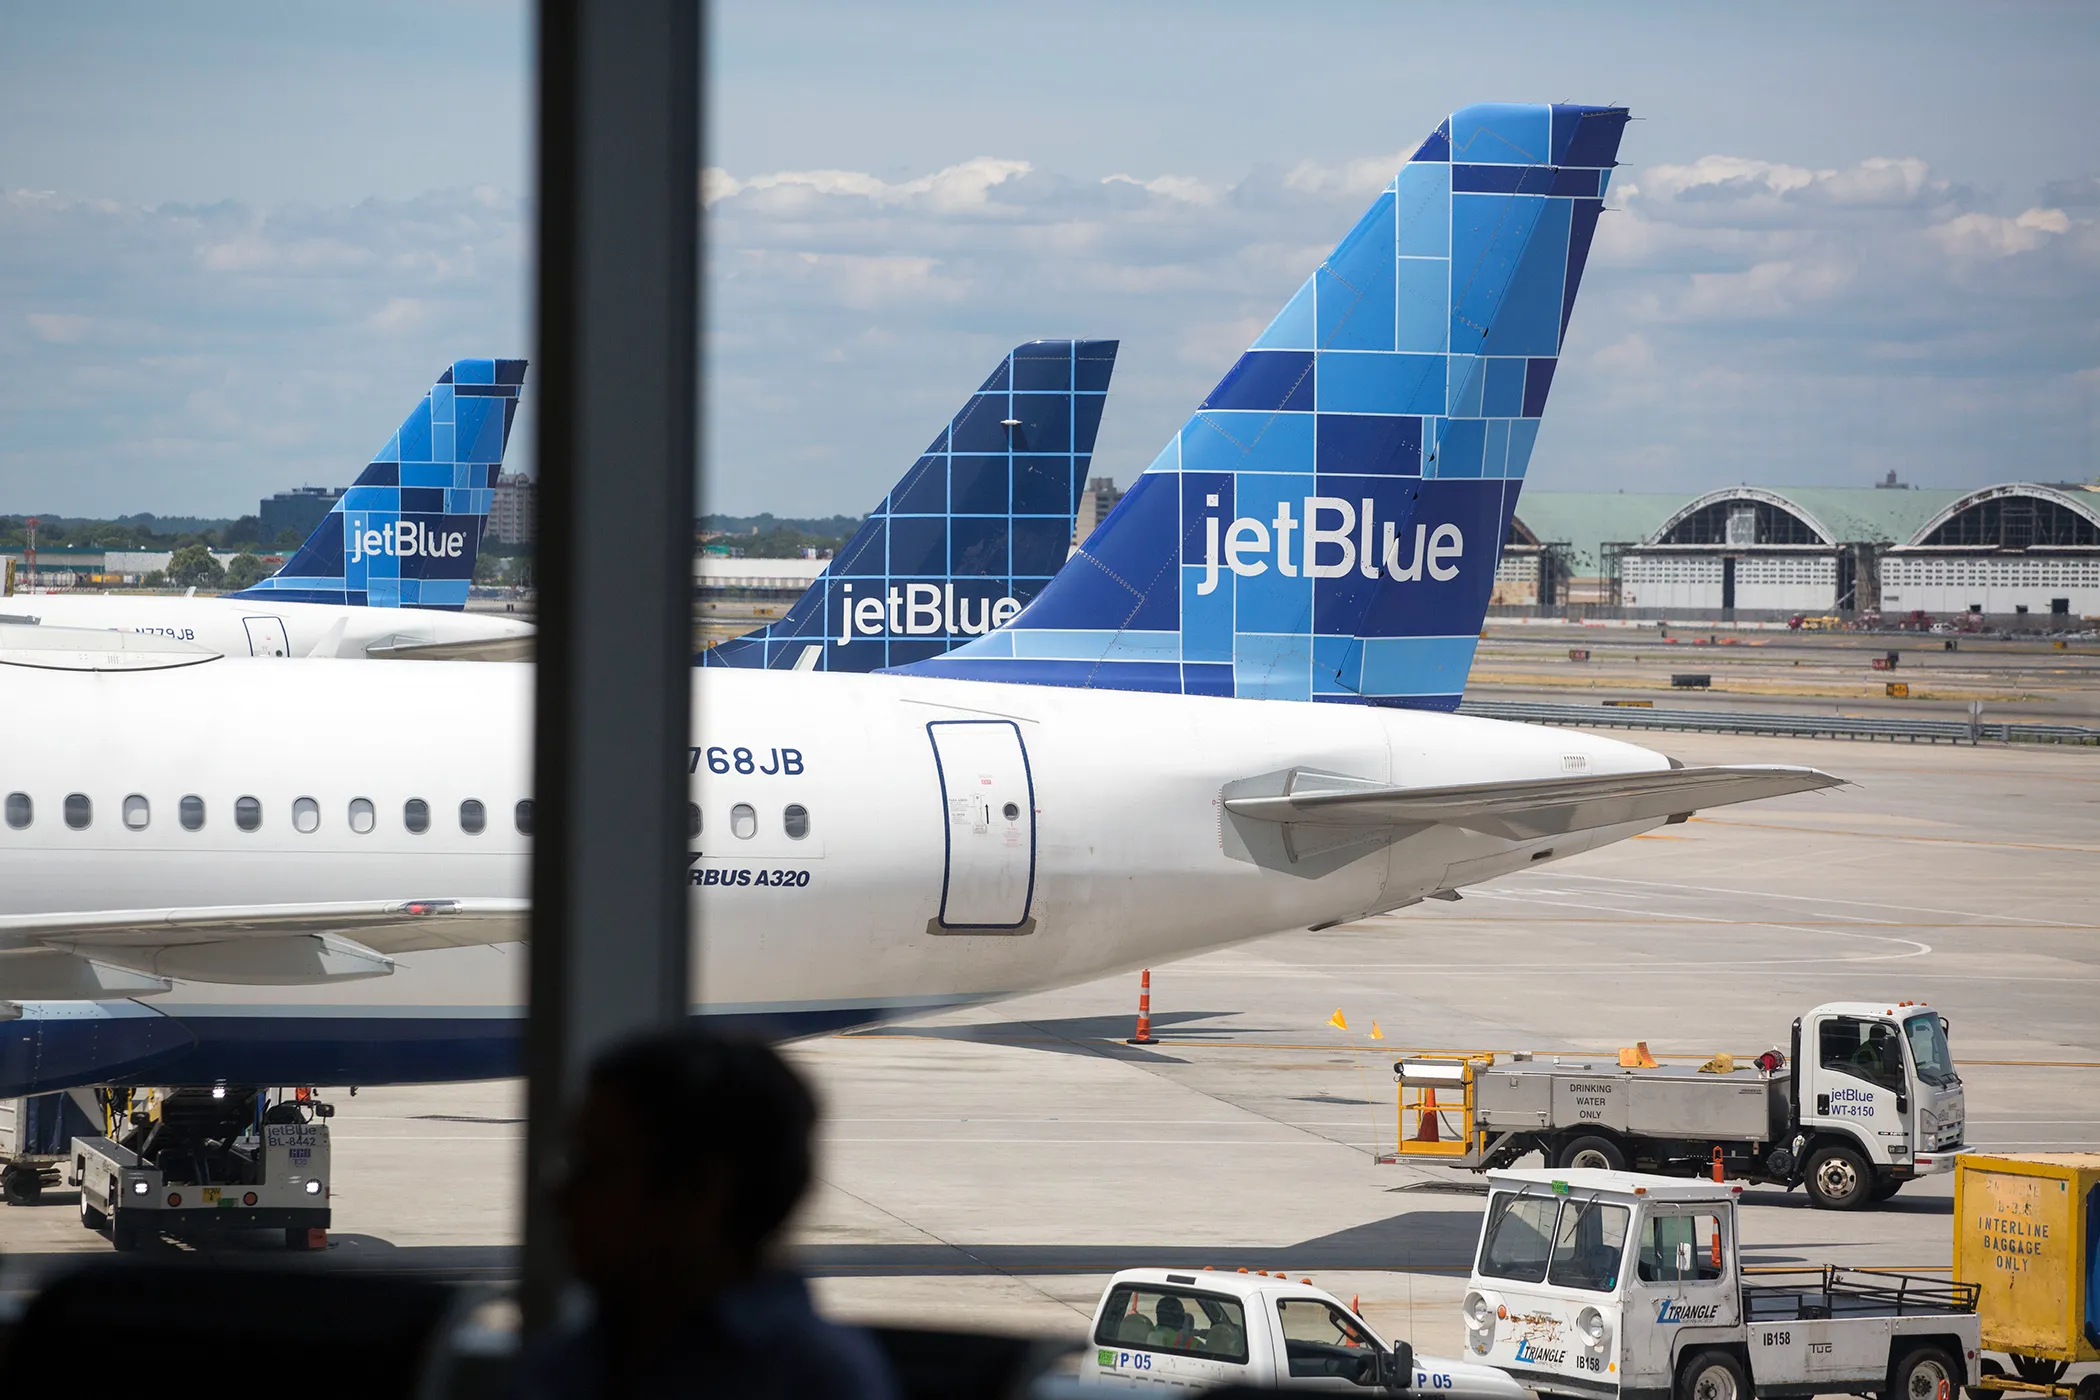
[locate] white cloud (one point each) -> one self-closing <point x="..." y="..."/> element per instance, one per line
<point x="58" y="329"/>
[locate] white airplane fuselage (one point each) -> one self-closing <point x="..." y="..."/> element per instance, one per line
<point x="259" y="627"/>
<point x="963" y="840"/>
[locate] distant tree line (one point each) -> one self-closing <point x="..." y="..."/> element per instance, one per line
<point x="771" y="537"/>
<point x="141" y="532"/>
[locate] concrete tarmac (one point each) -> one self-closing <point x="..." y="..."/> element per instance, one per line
<point x="990" y="1167"/>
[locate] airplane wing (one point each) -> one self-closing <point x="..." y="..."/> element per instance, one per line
<point x="130" y="952"/>
<point x="1529" y="808"/>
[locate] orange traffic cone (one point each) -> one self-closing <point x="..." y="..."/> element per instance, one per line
<point x="1144" y="1025"/>
<point x="1425" y="1126"/>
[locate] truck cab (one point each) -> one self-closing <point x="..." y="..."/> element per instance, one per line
<point x="1877" y="1100"/>
<point x="1207" y="1328"/>
<point x="1623" y="1285"/>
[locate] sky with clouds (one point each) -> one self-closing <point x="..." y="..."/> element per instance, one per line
<point x="236" y="241"/>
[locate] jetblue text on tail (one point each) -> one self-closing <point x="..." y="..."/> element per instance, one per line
<point x="1328" y="523"/>
<point x="407" y="532"/>
<point x="970" y="534"/>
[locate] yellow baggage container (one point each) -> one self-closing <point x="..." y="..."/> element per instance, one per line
<point x="2027" y="1232"/>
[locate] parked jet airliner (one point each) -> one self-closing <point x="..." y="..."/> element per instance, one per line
<point x="385" y="574"/>
<point x="222" y="869"/>
<point x="212" y="868"/>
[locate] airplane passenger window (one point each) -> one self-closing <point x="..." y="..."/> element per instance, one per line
<point x="473" y="817"/>
<point x="79" y="811"/>
<point x="692" y="819"/>
<point x="362" y="818"/>
<point x="247" y="813"/>
<point x="743" y="821"/>
<point x="522" y="815"/>
<point x="137" y="812"/>
<point x="796" y="820"/>
<point x="19" y="810"/>
<point x="306" y="815"/>
<point x="415" y="815"/>
<point x="1012" y="812"/>
<point x="191" y="810"/>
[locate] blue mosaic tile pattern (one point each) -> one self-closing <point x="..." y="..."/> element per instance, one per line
<point x="407" y="532"/>
<point x="972" y="533"/>
<point x="1326" y="526"/>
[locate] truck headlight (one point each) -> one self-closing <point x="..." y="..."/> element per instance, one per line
<point x="139" y="1187"/>
<point x="1596" y="1332"/>
<point x="1480" y="1322"/>
<point x="313" y="1186"/>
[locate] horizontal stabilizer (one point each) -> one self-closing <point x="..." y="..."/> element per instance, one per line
<point x="471" y="649"/>
<point x="1530" y="808"/>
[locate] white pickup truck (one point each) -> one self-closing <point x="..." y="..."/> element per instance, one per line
<point x="1621" y="1286"/>
<point x="1203" y="1329"/>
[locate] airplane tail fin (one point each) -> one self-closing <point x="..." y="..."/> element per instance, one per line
<point x="1327" y="525"/>
<point x="970" y="535"/>
<point x="407" y="532"/>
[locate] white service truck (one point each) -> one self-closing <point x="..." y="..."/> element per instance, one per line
<point x="205" y="1162"/>
<point x="1622" y="1286"/>
<point x="1866" y="1100"/>
<point x="1201" y="1329"/>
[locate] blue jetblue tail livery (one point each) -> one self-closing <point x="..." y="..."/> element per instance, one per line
<point x="1326" y="527"/>
<point x="407" y="532"/>
<point x="970" y="535"/>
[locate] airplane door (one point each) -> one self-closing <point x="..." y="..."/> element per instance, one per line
<point x="266" y="636"/>
<point x="988" y="798"/>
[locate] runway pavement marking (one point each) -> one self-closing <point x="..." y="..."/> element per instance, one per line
<point x="1814" y="899"/>
<point x="1898" y="836"/>
<point x="1917" y="949"/>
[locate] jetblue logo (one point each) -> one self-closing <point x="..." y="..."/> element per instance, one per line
<point x="1541" y="1356"/>
<point x="405" y="539"/>
<point x="921" y="610"/>
<point x="1675" y="1310"/>
<point x="1335" y="537"/>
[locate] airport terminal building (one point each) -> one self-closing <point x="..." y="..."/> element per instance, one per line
<point x="2017" y="548"/>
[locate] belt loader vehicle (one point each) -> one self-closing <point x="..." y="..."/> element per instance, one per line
<point x="1867" y="1100"/>
<point x="1207" y="1328"/>
<point x="1621" y="1286"/>
<point x="204" y="1162"/>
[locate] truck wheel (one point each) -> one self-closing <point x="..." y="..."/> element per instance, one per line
<point x="23" y="1186"/>
<point x="1593" y="1152"/>
<point x="296" y="1237"/>
<point x="1921" y="1373"/>
<point x="1712" y="1375"/>
<point x="1838" y="1178"/>
<point x="124" y="1238"/>
<point x="90" y="1218"/>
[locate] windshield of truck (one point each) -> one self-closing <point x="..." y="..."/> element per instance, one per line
<point x="1928" y="1049"/>
<point x="1157" y="1317"/>
<point x="1518" y="1239"/>
<point x="1588" y="1246"/>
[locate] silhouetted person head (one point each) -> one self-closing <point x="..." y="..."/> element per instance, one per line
<point x="689" y="1152"/>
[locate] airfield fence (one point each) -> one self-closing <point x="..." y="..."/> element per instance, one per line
<point x="1795" y="726"/>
